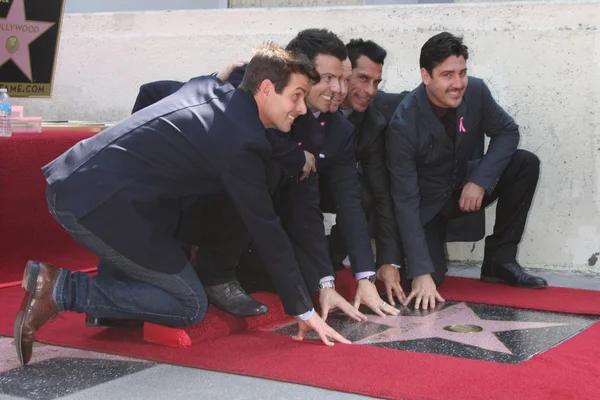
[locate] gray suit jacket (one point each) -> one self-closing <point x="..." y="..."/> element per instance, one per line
<point x="426" y="165"/>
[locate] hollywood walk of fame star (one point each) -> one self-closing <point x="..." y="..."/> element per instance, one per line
<point x="432" y="326"/>
<point x="16" y="33"/>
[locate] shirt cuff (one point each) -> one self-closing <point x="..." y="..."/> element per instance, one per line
<point x="363" y="275"/>
<point x="306" y="316"/>
<point x="326" y="279"/>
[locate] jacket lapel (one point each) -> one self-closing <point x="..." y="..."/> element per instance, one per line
<point x="372" y="125"/>
<point x="429" y="120"/>
<point x="309" y="133"/>
<point x="461" y="131"/>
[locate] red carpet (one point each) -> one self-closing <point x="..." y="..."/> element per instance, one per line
<point x="26" y="228"/>
<point x="224" y="343"/>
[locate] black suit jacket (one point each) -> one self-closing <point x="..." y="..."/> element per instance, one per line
<point x="297" y="202"/>
<point x="289" y="156"/>
<point x="340" y="190"/>
<point x="126" y="183"/>
<point x="426" y="165"/>
<point x="370" y="127"/>
<point x="153" y="92"/>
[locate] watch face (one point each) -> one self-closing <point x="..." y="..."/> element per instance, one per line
<point x="327" y="284"/>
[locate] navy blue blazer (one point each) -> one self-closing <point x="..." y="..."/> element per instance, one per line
<point x="298" y="201"/>
<point x="153" y="92"/>
<point x="127" y="183"/>
<point x="288" y="155"/>
<point x="426" y="165"/>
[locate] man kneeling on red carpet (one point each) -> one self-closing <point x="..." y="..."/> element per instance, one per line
<point x="120" y="194"/>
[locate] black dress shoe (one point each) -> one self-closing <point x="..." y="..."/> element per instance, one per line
<point x="231" y="298"/>
<point x="510" y="274"/>
<point x="115" y="323"/>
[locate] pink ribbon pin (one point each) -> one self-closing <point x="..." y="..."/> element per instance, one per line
<point x="323" y="123"/>
<point x="461" y="127"/>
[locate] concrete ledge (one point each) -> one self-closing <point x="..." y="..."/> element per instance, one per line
<point x="539" y="59"/>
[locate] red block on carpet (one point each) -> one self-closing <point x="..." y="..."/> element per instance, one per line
<point x="174" y="337"/>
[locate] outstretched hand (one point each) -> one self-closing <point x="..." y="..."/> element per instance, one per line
<point x="424" y="292"/>
<point x="330" y="299"/>
<point x="390" y="276"/>
<point x="324" y="331"/>
<point x="367" y="294"/>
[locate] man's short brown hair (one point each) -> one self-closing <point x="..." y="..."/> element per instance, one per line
<point x="272" y="62"/>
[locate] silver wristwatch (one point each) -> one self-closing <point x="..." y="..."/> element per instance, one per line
<point x="327" y="284"/>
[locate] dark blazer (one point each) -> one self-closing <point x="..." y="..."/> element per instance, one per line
<point x="468" y="228"/>
<point x="153" y="92"/>
<point x="126" y="184"/>
<point x="298" y="201"/>
<point x="426" y="165"/>
<point x="290" y="157"/>
<point x="370" y="127"/>
<point x="340" y="190"/>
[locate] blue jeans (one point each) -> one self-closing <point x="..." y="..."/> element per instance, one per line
<point x="124" y="289"/>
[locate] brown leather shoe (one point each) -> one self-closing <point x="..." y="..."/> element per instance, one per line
<point x="37" y="306"/>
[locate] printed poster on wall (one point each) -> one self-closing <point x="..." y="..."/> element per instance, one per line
<point x="29" y="32"/>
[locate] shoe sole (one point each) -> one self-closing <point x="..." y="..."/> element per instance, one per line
<point x="30" y="276"/>
<point x="239" y="315"/>
<point x="94" y="323"/>
<point x="488" y="279"/>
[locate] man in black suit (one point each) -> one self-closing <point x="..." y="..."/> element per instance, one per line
<point x="214" y="227"/>
<point x="120" y="194"/>
<point x="429" y="142"/>
<point x="338" y="179"/>
<point x="370" y="111"/>
<point x="330" y="137"/>
<point x="211" y="226"/>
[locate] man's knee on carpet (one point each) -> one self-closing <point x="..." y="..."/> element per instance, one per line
<point x="194" y="311"/>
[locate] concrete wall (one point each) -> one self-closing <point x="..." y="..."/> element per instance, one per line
<point x="87" y="6"/>
<point x="292" y="3"/>
<point x="540" y="61"/>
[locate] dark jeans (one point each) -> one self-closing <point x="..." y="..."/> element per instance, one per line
<point x="514" y="193"/>
<point x="124" y="289"/>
